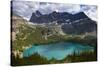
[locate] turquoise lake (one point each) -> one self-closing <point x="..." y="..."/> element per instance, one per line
<point x="57" y="50"/>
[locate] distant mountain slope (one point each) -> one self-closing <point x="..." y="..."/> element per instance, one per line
<point x="80" y="27"/>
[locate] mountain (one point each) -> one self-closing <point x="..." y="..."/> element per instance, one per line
<point x="38" y="14"/>
<point x="78" y="23"/>
<point x="37" y="17"/>
<point x="80" y="15"/>
<point x="54" y="16"/>
<point x="80" y="27"/>
<point x="19" y="24"/>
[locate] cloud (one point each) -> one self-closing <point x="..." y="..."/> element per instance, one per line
<point x="50" y="7"/>
<point x="26" y="8"/>
<point x="90" y="11"/>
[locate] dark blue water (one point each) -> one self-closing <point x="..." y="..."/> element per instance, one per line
<point x="57" y="50"/>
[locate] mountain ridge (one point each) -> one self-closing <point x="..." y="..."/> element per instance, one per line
<point x="56" y="16"/>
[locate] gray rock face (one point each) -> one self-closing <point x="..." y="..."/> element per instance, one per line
<point x="81" y="27"/>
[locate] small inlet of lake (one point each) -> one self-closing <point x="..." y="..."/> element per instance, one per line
<point x="57" y="50"/>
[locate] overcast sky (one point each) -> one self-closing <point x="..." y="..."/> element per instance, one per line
<point x="26" y="8"/>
